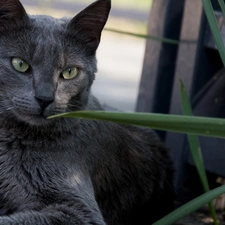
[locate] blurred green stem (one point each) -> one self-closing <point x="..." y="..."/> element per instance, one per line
<point x="165" y="40"/>
<point x="214" y="28"/>
<point x="222" y="6"/>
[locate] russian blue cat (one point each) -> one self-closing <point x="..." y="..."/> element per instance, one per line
<point x="69" y="171"/>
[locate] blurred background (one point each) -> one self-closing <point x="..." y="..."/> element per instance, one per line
<point x="120" y="57"/>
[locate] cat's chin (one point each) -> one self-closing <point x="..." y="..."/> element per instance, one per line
<point x="39" y="121"/>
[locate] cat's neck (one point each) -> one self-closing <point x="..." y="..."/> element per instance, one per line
<point x="55" y="129"/>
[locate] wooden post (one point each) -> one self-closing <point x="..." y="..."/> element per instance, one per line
<point x="159" y="62"/>
<point x="185" y="70"/>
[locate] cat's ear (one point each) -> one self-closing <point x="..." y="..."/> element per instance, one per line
<point x="89" y="23"/>
<point x="12" y="14"/>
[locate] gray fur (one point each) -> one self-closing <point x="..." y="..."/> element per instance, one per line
<point x="69" y="171"/>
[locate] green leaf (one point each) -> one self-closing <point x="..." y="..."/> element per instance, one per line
<point x="222" y="6"/>
<point x="214" y="28"/>
<point x="195" y="149"/>
<point x="165" y="40"/>
<point x="190" y="207"/>
<point x="176" y="123"/>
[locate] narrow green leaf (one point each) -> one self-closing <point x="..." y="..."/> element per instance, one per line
<point x="165" y="40"/>
<point x="190" y="207"/>
<point x="193" y="140"/>
<point x="222" y="6"/>
<point x="195" y="148"/>
<point x="214" y="28"/>
<point x="176" y="123"/>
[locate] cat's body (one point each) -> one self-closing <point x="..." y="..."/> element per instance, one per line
<point x="69" y="171"/>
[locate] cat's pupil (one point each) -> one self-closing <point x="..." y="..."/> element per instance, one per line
<point x="20" y="62"/>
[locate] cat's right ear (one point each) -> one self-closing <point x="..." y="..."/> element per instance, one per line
<point x="12" y="15"/>
<point x="88" y="24"/>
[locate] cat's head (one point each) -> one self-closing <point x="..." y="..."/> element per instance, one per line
<point x="47" y="65"/>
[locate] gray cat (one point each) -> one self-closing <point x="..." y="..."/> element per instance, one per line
<point x="69" y="171"/>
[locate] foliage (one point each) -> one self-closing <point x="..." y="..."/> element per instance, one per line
<point x="196" y="149"/>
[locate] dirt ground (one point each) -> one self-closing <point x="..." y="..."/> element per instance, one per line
<point x="201" y="217"/>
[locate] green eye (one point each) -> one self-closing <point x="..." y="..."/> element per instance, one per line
<point x="20" y="65"/>
<point x="70" y="73"/>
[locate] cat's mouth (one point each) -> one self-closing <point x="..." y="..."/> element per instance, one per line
<point x="37" y="118"/>
<point x="32" y="112"/>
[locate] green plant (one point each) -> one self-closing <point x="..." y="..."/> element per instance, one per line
<point x="191" y="206"/>
<point x="165" y="40"/>
<point x="196" y="149"/>
<point x="177" y="123"/>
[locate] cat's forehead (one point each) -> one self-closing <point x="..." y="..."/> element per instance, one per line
<point x="48" y="32"/>
<point x="48" y="22"/>
<point x="46" y="41"/>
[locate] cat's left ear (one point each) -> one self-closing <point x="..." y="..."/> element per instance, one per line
<point x="12" y="15"/>
<point x="89" y="23"/>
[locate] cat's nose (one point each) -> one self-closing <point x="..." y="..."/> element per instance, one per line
<point x="44" y="102"/>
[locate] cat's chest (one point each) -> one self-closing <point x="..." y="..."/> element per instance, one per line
<point x="15" y="180"/>
<point x="24" y="174"/>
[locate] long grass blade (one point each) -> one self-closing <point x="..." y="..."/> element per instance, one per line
<point x="196" y="150"/>
<point x="214" y="28"/>
<point x="175" y="123"/>
<point x="222" y="6"/>
<point x="190" y="207"/>
<point x="165" y="40"/>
